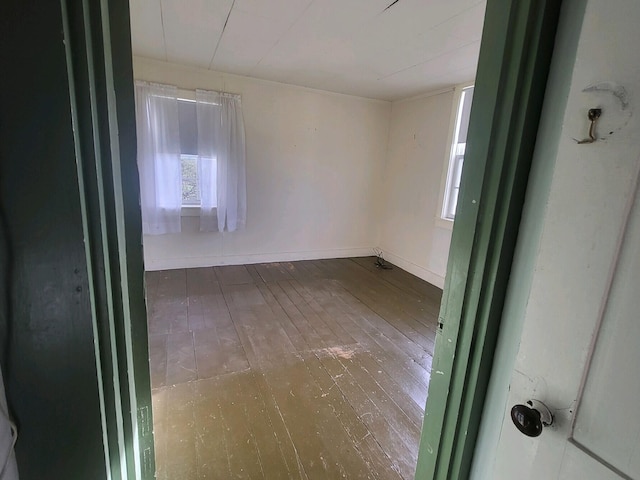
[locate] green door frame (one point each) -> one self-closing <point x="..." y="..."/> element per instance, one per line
<point x="100" y="74"/>
<point x="517" y="45"/>
<point x="515" y="56"/>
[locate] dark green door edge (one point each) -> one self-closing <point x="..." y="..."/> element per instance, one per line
<point x="99" y="65"/>
<point x="515" y="55"/>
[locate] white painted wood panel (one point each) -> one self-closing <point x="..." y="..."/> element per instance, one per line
<point x="147" y="31"/>
<point x="192" y="29"/>
<point x="238" y="52"/>
<point x="285" y="10"/>
<point x="578" y="466"/>
<point x="607" y="421"/>
<point x="409" y="19"/>
<point x="334" y="45"/>
<point x="417" y="50"/>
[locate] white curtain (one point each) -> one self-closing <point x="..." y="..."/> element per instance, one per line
<point x="221" y="161"/>
<point x="159" y="158"/>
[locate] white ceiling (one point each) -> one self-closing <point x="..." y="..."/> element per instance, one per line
<point x="357" y="47"/>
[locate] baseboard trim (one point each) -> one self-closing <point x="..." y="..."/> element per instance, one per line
<point x="420" y="272"/>
<point x="217" y="261"/>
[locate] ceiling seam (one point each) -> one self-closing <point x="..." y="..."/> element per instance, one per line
<point x="283" y="35"/>
<point x="403" y="78"/>
<point x="215" y="50"/>
<point x="439" y="24"/>
<point x="429" y="60"/>
<point x="164" y="38"/>
<point x="453" y="17"/>
<point x="390" y="5"/>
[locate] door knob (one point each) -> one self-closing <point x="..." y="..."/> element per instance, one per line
<point x="531" y="417"/>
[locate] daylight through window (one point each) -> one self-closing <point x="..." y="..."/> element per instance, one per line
<point x="456" y="158"/>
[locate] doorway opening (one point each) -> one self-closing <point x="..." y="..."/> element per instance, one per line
<point x="359" y="339"/>
<point x="502" y="71"/>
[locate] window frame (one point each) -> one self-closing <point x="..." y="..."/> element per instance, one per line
<point x="445" y="183"/>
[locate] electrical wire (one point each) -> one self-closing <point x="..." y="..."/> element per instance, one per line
<point x="380" y="263"/>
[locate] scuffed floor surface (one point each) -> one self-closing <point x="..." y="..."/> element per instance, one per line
<point x="302" y="370"/>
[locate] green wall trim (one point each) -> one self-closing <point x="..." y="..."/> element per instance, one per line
<point x="128" y="219"/>
<point x="98" y="46"/>
<point x="517" y="45"/>
<point x="85" y="228"/>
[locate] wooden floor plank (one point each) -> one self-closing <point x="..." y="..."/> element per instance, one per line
<point x="273" y="272"/>
<point x="405" y="425"/>
<point x="380" y="285"/>
<point x="378" y="324"/>
<point x="212" y="451"/>
<point x="218" y="351"/>
<point x="319" y="315"/>
<point x="293" y="333"/>
<point x="311" y="337"/>
<point x="243" y="459"/>
<point x="168" y="311"/>
<point x="324" y="446"/>
<point x="402" y="460"/>
<point x="365" y="443"/>
<point x="158" y="360"/>
<point x="390" y="358"/>
<point x="281" y="432"/>
<point x="378" y="299"/>
<point x="271" y="449"/>
<point x="181" y="460"/>
<point x="181" y="360"/>
<point x="292" y="370"/>
<point x="333" y="334"/>
<point x="401" y="279"/>
<point x="159" y="405"/>
<point x="233" y="275"/>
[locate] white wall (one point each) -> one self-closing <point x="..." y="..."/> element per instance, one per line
<point x="411" y="234"/>
<point x="314" y="165"/>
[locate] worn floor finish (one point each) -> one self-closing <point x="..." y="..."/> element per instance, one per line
<point x="303" y="370"/>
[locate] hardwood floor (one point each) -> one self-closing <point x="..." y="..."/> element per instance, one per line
<point x="312" y="370"/>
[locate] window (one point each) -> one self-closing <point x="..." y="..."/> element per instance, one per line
<point x="181" y="144"/>
<point x="456" y="156"/>
<point x="187" y="120"/>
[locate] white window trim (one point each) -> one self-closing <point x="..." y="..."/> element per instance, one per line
<point x="440" y="220"/>
<point x="190" y="211"/>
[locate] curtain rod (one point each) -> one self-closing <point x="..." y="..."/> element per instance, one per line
<point x="190" y="94"/>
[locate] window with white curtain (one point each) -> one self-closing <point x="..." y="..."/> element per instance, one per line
<point x="187" y="121"/>
<point x="456" y="155"/>
<point x="190" y="154"/>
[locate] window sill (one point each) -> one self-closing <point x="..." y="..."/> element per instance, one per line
<point x="444" y="223"/>
<point x="190" y="211"/>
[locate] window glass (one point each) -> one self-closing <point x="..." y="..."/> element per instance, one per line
<point x="190" y="190"/>
<point x="456" y="159"/>
<point x="187" y="118"/>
